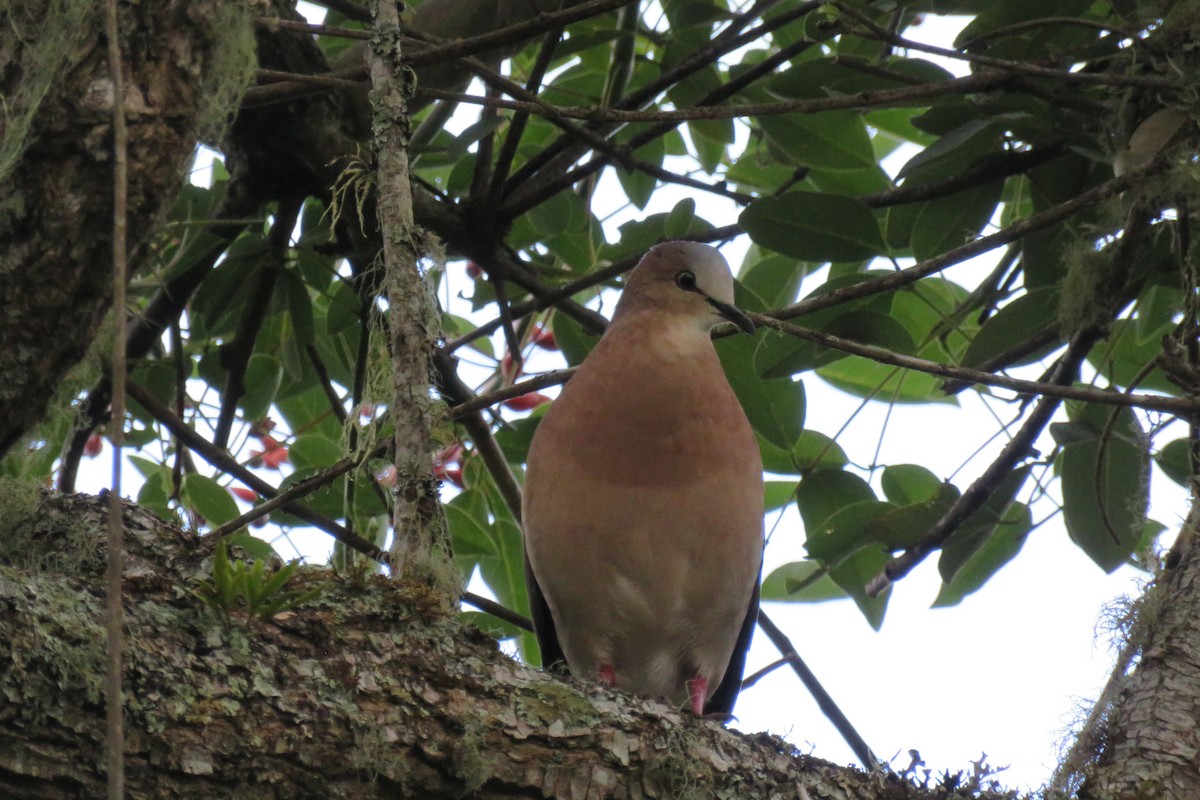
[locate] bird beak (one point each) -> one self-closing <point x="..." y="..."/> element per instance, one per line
<point x="733" y="314"/>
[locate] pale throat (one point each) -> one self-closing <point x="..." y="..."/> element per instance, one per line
<point x="679" y="338"/>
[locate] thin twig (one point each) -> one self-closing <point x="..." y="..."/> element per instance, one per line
<point x="1137" y="221"/>
<point x="1017" y="230"/>
<point x="977" y="493"/>
<point x="498" y="611"/>
<point x="302" y="489"/>
<point x="115" y="608"/>
<point x="1181" y="406"/>
<point x="828" y="707"/>
<point x="552" y="378"/>
<point x="877" y="98"/>
<point x="552" y="297"/>
<point x="277" y="24"/>
<point x="227" y="464"/>
<point x="1015" y="67"/>
<point x="456" y="391"/>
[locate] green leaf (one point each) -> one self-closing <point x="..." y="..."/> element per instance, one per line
<point x="835" y="140"/>
<point x="800" y="582"/>
<point x="954" y="151"/>
<point x="1105" y="494"/>
<point x="1029" y="314"/>
<point x="782" y="355"/>
<point x="847" y="530"/>
<point x="854" y="573"/>
<point x="863" y="377"/>
<point x="314" y="451"/>
<point x="812" y="226"/>
<point x="774" y="407"/>
<point x="830" y="77"/>
<point x="264" y="374"/>
<point x="777" y="494"/>
<point x="572" y="339"/>
<point x="252" y="546"/>
<point x="561" y="212"/>
<point x="990" y="520"/>
<point x="155" y="493"/>
<point x="952" y="221"/>
<point x="985" y="560"/>
<point x="1176" y="461"/>
<point x="300" y="307"/>
<point x="210" y="499"/>
<point x="824" y="492"/>
<point x="816" y="450"/>
<point x="771" y="281"/>
<point x="909" y="483"/>
<point x="903" y="527"/>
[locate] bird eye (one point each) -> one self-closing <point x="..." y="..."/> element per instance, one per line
<point x="686" y="281"/>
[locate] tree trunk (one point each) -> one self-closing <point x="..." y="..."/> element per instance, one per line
<point x="371" y="690"/>
<point x="1147" y="744"/>
<point x="186" y="64"/>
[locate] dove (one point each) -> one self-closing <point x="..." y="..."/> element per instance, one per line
<point x="643" y="500"/>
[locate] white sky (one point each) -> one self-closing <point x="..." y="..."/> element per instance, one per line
<point x="1004" y="673"/>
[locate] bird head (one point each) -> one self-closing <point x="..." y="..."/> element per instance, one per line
<point x="686" y="279"/>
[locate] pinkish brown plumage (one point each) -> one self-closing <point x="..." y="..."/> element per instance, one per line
<point x="643" y="497"/>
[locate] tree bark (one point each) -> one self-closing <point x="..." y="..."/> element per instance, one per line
<point x="1147" y="745"/>
<point x="56" y="170"/>
<point x="372" y="690"/>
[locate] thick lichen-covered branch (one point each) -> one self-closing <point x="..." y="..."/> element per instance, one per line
<point x="371" y="690"/>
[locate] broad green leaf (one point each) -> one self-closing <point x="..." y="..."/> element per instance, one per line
<point x="955" y="150"/>
<point x="829" y="140"/>
<point x="814" y="227"/>
<point x="252" y="547"/>
<point x="909" y="483"/>
<point x="640" y="235"/>
<point x="300" y="307"/>
<point x="952" y="221"/>
<point x="1124" y="356"/>
<point x="800" y="582"/>
<point x="847" y="530"/>
<point x="572" y="339"/>
<point x="264" y="374"/>
<point x="155" y="493"/>
<point x="903" y="527"/>
<point x="1105" y="493"/>
<point x="824" y="492"/>
<point x="830" y="77"/>
<point x="208" y="498"/>
<point x="314" y="451"/>
<point x="1176" y="461"/>
<point x="774" y="407"/>
<point x="816" y="450"/>
<point x="1031" y="313"/>
<point x="561" y="212"/>
<point x="770" y="282"/>
<point x="782" y="355"/>
<point x="990" y="520"/>
<point x="854" y="573"/>
<point x="777" y="494"/>
<point x="993" y="553"/>
<point x="865" y="378"/>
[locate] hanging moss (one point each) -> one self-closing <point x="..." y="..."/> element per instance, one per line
<point x="59" y="29"/>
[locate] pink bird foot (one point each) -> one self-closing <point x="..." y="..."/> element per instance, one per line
<point x="698" y="693"/>
<point x="608" y="675"/>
